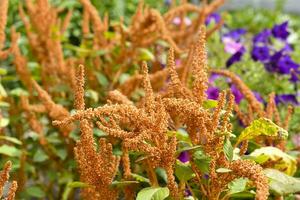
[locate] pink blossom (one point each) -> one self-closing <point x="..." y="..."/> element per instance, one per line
<point x="231" y="46"/>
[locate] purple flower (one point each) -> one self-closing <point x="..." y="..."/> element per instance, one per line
<point x="272" y="65"/>
<point x="235" y="34"/>
<point x="187" y="192"/>
<point x="287" y="48"/>
<point x="286" y="98"/>
<point x="281" y="63"/>
<point x="168" y="2"/>
<point x="294" y="76"/>
<point x="237" y="94"/>
<point x="262" y="37"/>
<point x="216" y="17"/>
<point x="280" y="31"/>
<point x="212" y="93"/>
<point x="213" y="77"/>
<point x="231" y="46"/>
<point x="286" y="64"/>
<point x="258" y="97"/>
<point x="260" y="53"/>
<point x="184" y="157"/>
<point x="235" y="57"/>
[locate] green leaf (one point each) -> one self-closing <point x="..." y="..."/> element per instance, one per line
<point x="35" y="191"/>
<point x="202" y="161"/>
<point x="19" y="92"/>
<point x="121" y="184"/>
<point x="4" y="104"/>
<point x="92" y="94"/>
<point x="209" y="103"/>
<point x="10" y="151"/>
<point x="140" y="178"/>
<point x="40" y="156"/>
<point x="109" y="35"/>
<point x="188" y="148"/>
<point x="2" y="91"/>
<point x="183" y="171"/>
<point x="77" y="184"/>
<point x="161" y="173"/>
<point x="61" y="153"/>
<point x="228" y="149"/>
<point x="282" y="161"/>
<point x="153" y="193"/>
<point x="102" y="79"/>
<point x="181" y="135"/>
<point x="3" y="71"/>
<point x="11" y="139"/>
<point x="4" y="122"/>
<point x="262" y="126"/>
<point x="99" y="132"/>
<point x="237" y="185"/>
<point x="145" y="55"/>
<point x="282" y="184"/>
<point x="223" y="170"/>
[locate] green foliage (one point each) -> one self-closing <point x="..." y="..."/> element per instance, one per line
<point x="183" y="171"/>
<point x="262" y="126"/>
<point x="153" y="193"/>
<point x="237" y="185"/>
<point x="282" y="184"/>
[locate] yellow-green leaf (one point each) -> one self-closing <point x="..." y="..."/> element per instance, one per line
<point x="282" y="161"/>
<point x="262" y="126"/>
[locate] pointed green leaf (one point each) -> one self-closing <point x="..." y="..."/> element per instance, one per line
<point x="228" y="149"/>
<point x="11" y="139"/>
<point x="40" y="156"/>
<point x="183" y="171"/>
<point x="140" y="178"/>
<point x="237" y="185"/>
<point x="202" y="161"/>
<point x="10" y="151"/>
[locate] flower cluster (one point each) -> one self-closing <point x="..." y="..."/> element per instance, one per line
<point x="275" y="60"/>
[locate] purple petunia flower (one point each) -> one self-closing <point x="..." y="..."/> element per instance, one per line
<point x="286" y="98"/>
<point x="262" y="37"/>
<point x="231" y="46"/>
<point x="272" y="65"/>
<point x="213" y="93"/>
<point x="235" y="34"/>
<point x="295" y="75"/>
<point x="216" y="17"/>
<point x="235" y="57"/>
<point x="237" y="94"/>
<point x="280" y="31"/>
<point x="260" y="53"/>
<point x="184" y="157"/>
<point x="286" y="64"/>
<point x="287" y="48"/>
